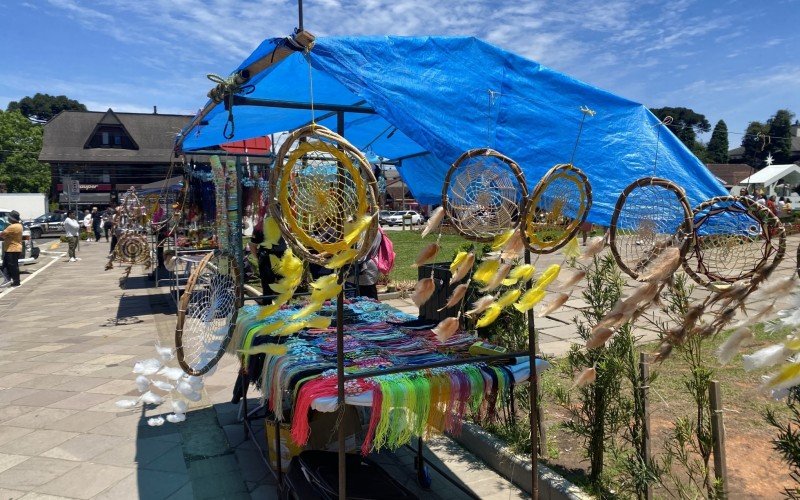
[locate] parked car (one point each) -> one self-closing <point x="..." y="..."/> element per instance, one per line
<point x="30" y="252"/>
<point x="384" y="215"/>
<point x="49" y="224"/>
<point x="396" y="218"/>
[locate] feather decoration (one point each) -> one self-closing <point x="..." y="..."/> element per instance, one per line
<point x="456" y="296"/>
<point x="318" y="322"/>
<point x="194" y="396"/>
<point x="489" y="316"/>
<point x="501" y="239"/>
<point x="457" y="260"/>
<point x="521" y="273"/>
<point x="288" y="264"/>
<point x="126" y="404"/>
<point x="514" y="246"/>
<point x="324" y="281"/>
<point x="434" y="221"/>
<point x="176" y="417"/>
<point x="268" y="310"/>
<point x="354" y="230"/>
<point x="572" y="280"/>
<point x="599" y="337"/>
<point x="663" y="352"/>
<point x="463" y="268"/>
<point x="610" y="320"/>
<point x="644" y="293"/>
<point x="142" y="383"/>
<point x="164" y="386"/>
<point x="778" y="287"/>
<point x="308" y="310"/>
<point x="728" y="349"/>
<point x="446" y="328"/>
<point x="171" y="373"/>
<point x="269" y="329"/>
<point x="485" y="271"/>
<point x="585" y="377"/>
<point x="165" y="353"/>
<point x="571" y="249"/>
<point x="508" y="298"/>
<point x="155" y="421"/>
<point x="426" y="255"/>
<point x="547" y="277"/>
<point x="423" y="291"/>
<point x="185" y="388"/>
<point x="271" y="349"/>
<point x="764" y="358"/>
<point x="757" y="317"/>
<point x="553" y="305"/>
<point x="593" y="247"/>
<point x="152" y="398"/>
<point x="664" y="266"/>
<point x="341" y="258"/>
<point x="195" y="382"/>
<point x="147" y="367"/>
<point x="788" y="376"/>
<point x="498" y="277"/>
<point x="179" y="406"/>
<point x="290" y="329"/>
<point x="481" y="305"/>
<point x="272" y="232"/>
<point x="529" y="299"/>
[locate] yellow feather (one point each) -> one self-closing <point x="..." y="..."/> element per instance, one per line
<point x="523" y="273"/>
<point x="547" y="276"/>
<point x="290" y="329"/>
<point x="460" y="256"/>
<point x="529" y="299"/>
<point x="501" y="239"/>
<point x="341" y="258"/>
<point x="324" y="281"/>
<point x="326" y="293"/>
<point x="274" y="262"/>
<point x="354" y="230"/>
<point x="269" y="310"/>
<point x="464" y="267"/>
<point x="786" y="377"/>
<point x="269" y="329"/>
<point x="489" y="316"/>
<point x="308" y="310"/>
<point x="271" y="349"/>
<point x="318" y="322"/>
<point x="272" y="233"/>
<point x="508" y="298"/>
<point x="485" y="271"/>
<point x="571" y="249"/>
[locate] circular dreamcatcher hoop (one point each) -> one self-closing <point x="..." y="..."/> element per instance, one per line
<point x="651" y="215"/>
<point x="207" y="313"/>
<point x="323" y="195"/>
<point x="132" y="248"/>
<point x="734" y="237"/>
<point x="482" y="194"/>
<point x="556" y="209"/>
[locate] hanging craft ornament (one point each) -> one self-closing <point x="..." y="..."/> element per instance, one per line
<point x="734" y="238"/>
<point x="556" y="209"/>
<point x="323" y="196"/>
<point x="651" y="216"/>
<point x="132" y="248"/>
<point x="482" y="194"/>
<point x="207" y="313"/>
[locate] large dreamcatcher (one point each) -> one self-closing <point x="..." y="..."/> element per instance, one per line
<point x="323" y="195"/>
<point x="207" y="312"/>
<point x="556" y="209"/>
<point x="650" y="217"/>
<point x="734" y="238"/>
<point x="482" y="194"/>
<point x="132" y="248"/>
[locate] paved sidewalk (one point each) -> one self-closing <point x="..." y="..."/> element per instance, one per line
<point x="68" y="340"/>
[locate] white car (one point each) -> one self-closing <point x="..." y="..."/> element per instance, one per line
<point x="397" y="218"/>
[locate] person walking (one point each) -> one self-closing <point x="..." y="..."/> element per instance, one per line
<point x="87" y="224"/>
<point x="96" y="221"/>
<point x="73" y="230"/>
<point x="12" y="249"/>
<point x="108" y="214"/>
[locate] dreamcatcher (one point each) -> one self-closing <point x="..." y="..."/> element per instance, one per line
<point x="323" y="196"/>
<point x="482" y="194"/>
<point x="651" y="216"/>
<point x="556" y="209"/>
<point x="207" y="312"/>
<point x="132" y="211"/>
<point x="132" y="248"/>
<point x="734" y="238"/>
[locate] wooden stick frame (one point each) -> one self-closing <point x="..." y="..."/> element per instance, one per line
<point x="280" y="214"/>
<point x="770" y="226"/>
<point x="183" y="305"/>
<point x="531" y="203"/>
<point x="686" y="227"/>
<point x="472" y="153"/>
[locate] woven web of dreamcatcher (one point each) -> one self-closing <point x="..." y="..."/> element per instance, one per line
<point x="733" y="238"/>
<point x="482" y="194"/>
<point x="206" y="313"/>
<point x="651" y="215"/>
<point x="556" y="209"/>
<point x="132" y="248"/>
<point x="320" y="188"/>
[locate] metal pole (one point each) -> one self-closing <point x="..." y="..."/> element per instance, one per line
<point x="340" y="359"/>
<point x="644" y="373"/>
<point x="534" y="397"/>
<point x="299" y="15"/>
<point x="718" y="436"/>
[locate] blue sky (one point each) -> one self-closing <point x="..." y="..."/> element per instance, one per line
<point x="735" y="60"/>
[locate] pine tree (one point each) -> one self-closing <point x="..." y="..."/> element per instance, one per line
<point x="718" y="145"/>
<point x="755" y="145"/>
<point x="781" y="138"/>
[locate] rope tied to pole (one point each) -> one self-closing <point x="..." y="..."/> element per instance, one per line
<point x="225" y="90"/>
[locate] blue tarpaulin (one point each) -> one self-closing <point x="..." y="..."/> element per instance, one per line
<point x="445" y="95"/>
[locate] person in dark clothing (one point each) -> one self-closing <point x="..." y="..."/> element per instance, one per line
<point x="12" y="249"/>
<point x="97" y="218"/>
<point x="265" y="272"/>
<point x="367" y="271"/>
<point x="107" y="222"/>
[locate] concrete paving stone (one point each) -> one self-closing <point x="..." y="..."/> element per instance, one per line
<point x="85" y="481"/>
<point x="110" y="359"/>
<point x="36" y="443"/>
<point x="34" y="472"/>
<point x="137" y="452"/>
<point x="79" y="384"/>
<point x="8" y="460"/>
<point x="145" y="484"/>
<point x="171" y="461"/>
<point x="116" y="387"/>
<point x="47" y="347"/>
<point x="13" y="411"/>
<point x="185" y="493"/>
<point x="84" y="447"/>
<point x="124" y="424"/>
<point x="265" y="492"/>
<point x="12" y="394"/>
<point x="41" y="496"/>
<point x="83" y="421"/>
<point x="251" y="465"/>
<point x="235" y="434"/>
<point x="39" y="418"/>
<point x="82" y="401"/>
<point x="11" y="494"/>
<point x="226" y="485"/>
<point x="113" y="372"/>
<point x="15" y="379"/>
<point x="80" y="370"/>
<point x="43" y="397"/>
<point x="9" y="433"/>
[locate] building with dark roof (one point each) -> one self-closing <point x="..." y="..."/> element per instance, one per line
<point x="730" y="174"/>
<point x="109" y="152"/>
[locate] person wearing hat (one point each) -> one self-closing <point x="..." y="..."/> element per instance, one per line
<point x="12" y="249"/>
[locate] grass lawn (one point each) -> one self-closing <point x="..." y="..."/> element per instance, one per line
<point x="408" y="244"/>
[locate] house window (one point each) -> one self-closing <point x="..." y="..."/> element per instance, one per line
<point x="117" y="140"/>
<point x="111" y="136"/>
<point x="105" y="138"/>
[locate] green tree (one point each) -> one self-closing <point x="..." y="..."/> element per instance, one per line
<point x="43" y="107"/>
<point x="780" y="136"/>
<point x="755" y="144"/>
<point x="686" y="123"/>
<point x="20" y="144"/>
<point x="718" y="145"/>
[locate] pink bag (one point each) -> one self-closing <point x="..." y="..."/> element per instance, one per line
<point x="384" y="259"/>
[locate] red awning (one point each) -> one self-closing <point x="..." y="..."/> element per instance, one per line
<point x="256" y="146"/>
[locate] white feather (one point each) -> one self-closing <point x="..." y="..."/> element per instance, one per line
<point x="164" y="386"/>
<point x="142" y="383"/>
<point x="152" y="398"/>
<point x="179" y="406"/>
<point x="147" y="367"/>
<point x="155" y="421"/>
<point x="194" y="396"/>
<point x="171" y="373"/>
<point x="166" y="353"/>
<point x="127" y="403"/>
<point x="434" y="221"/>
<point x="185" y="388"/>
<point x="765" y="357"/>
<point x="195" y="382"/>
<point x="176" y="417"/>
<point x="730" y="347"/>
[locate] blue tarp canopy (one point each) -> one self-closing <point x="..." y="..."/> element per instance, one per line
<point x="435" y="97"/>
